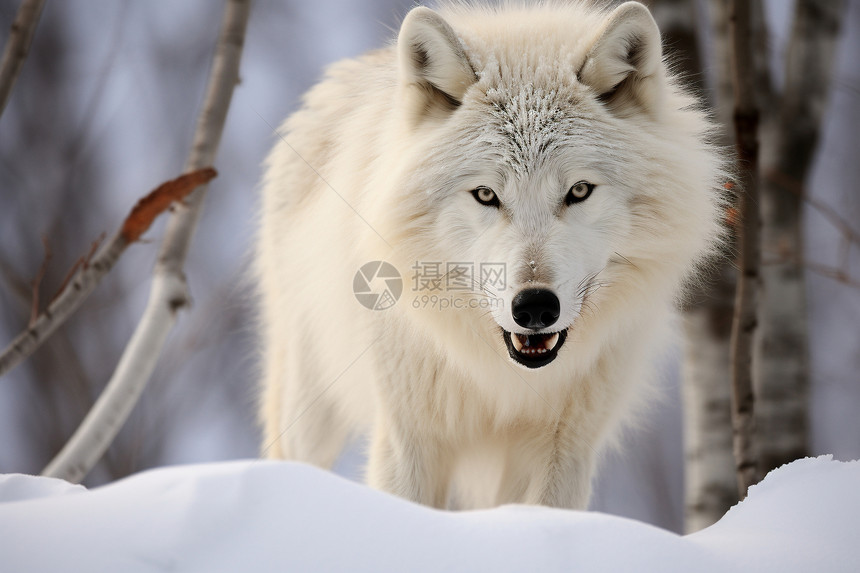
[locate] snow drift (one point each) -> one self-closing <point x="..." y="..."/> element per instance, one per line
<point x="276" y="515"/>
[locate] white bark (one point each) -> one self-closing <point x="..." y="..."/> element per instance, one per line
<point x="168" y="293"/>
<point x="115" y="403"/>
<point x="709" y="468"/>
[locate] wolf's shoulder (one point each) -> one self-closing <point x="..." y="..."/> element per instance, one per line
<point x="353" y="82"/>
<point x="343" y="111"/>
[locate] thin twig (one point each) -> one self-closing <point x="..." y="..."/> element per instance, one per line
<point x="745" y="317"/>
<point x="37" y="282"/>
<point x="17" y="285"/>
<point x="17" y="46"/>
<point x="169" y="292"/>
<point x="92" y="268"/>
<point x="839" y="274"/>
<point x="82" y="262"/>
<point x="788" y="183"/>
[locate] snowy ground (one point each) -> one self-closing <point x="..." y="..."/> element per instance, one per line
<point x="255" y="515"/>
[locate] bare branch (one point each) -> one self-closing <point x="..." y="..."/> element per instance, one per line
<point x="89" y="270"/>
<point x="849" y="235"/>
<point x="17" y="46"/>
<point x="745" y="319"/>
<point x="37" y="282"/>
<point x="80" y="263"/>
<point x="788" y="183"/>
<point x="17" y="286"/>
<point x="839" y="274"/>
<point x="168" y="293"/>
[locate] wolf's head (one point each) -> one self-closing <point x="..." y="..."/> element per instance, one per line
<point x="550" y="142"/>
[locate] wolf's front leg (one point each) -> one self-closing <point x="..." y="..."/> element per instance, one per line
<point x="408" y="465"/>
<point x="564" y="478"/>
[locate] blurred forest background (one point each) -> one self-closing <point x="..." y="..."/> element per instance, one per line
<point x="104" y="111"/>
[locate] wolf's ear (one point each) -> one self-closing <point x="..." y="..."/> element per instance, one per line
<point x="624" y="66"/>
<point x="431" y="59"/>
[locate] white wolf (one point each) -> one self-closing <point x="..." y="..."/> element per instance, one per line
<point x="549" y="139"/>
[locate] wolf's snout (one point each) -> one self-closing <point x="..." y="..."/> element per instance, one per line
<point x="535" y="308"/>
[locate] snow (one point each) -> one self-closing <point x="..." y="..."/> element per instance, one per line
<point x="267" y="515"/>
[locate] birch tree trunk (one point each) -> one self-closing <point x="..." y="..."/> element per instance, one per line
<point x="710" y="483"/>
<point x="745" y="322"/>
<point x="789" y="140"/>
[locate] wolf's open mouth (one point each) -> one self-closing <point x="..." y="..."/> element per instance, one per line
<point x="534" y="350"/>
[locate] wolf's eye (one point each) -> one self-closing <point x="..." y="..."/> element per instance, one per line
<point x="579" y="192"/>
<point x="485" y="196"/>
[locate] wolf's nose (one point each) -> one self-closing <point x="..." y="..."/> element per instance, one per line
<point x="535" y="308"/>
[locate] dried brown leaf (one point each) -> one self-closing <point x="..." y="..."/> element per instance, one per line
<point x="151" y="206"/>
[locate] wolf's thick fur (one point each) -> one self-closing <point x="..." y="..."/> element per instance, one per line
<point x="381" y="163"/>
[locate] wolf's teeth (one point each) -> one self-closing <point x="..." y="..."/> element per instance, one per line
<point x="518" y="343"/>
<point x="524" y="345"/>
